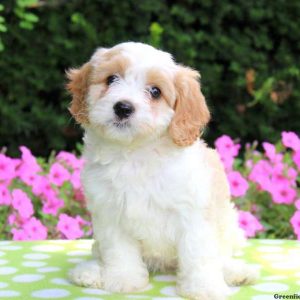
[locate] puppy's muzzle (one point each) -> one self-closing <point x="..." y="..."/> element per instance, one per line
<point x="123" y="109"/>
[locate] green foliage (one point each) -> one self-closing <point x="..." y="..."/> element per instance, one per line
<point x="223" y="39"/>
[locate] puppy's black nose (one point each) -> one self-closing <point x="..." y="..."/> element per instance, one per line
<point x="123" y="109"/>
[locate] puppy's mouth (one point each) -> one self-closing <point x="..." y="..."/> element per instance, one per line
<point x="121" y="124"/>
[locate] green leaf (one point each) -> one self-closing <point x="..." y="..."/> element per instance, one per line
<point x="26" y="25"/>
<point x="155" y="34"/>
<point x="3" y="28"/>
<point x="31" y="17"/>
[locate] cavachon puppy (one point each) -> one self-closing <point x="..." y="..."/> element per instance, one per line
<point x="158" y="196"/>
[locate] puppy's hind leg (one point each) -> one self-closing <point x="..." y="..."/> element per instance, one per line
<point x="237" y="272"/>
<point x="87" y="274"/>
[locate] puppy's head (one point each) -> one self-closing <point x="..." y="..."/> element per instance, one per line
<point x="134" y="91"/>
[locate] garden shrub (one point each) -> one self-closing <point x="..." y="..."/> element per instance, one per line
<point x="247" y="52"/>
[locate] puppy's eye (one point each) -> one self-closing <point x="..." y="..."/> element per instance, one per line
<point x="110" y="79"/>
<point x="155" y="92"/>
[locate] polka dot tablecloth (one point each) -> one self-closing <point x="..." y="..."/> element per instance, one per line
<point x="38" y="270"/>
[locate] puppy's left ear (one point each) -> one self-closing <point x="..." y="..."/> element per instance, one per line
<point x="191" y="111"/>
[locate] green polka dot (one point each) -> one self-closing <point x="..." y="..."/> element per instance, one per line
<point x="38" y="270"/>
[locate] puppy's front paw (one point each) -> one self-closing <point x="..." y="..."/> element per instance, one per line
<point x="205" y="288"/>
<point x="87" y="274"/>
<point x="201" y="293"/>
<point x="237" y="272"/>
<point x="123" y="281"/>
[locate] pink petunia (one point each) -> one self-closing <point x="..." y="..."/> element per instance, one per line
<point x="22" y="203"/>
<point x="69" y="227"/>
<point x="81" y="221"/>
<point x="42" y="187"/>
<point x="296" y="159"/>
<point x="79" y="196"/>
<point x="58" y="174"/>
<point x="297" y="204"/>
<point x="70" y="159"/>
<point x="29" y="163"/>
<point x="30" y="178"/>
<point x="226" y="146"/>
<point x="283" y="194"/>
<point x="278" y="177"/>
<point x="52" y="205"/>
<point x="35" y="230"/>
<point x="295" y="222"/>
<point x="270" y="152"/>
<point x="7" y="168"/>
<point x="238" y="184"/>
<point x="227" y="162"/>
<point x="5" y="197"/>
<point x="290" y="140"/>
<point x="261" y="174"/>
<point x="249" y="223"/>
<point x="19" y="234"/>
<point x="75" y="179"/>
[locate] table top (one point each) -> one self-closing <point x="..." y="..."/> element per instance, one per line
<point x="38" y="270"/>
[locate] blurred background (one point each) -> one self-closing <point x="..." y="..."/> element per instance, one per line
<point x="246" y="51"/>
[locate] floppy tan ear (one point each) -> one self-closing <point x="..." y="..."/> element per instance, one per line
<point x="191" y="111"/>
<point x="78" y="86"/>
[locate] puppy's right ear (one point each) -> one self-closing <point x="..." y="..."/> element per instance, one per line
<point x="78" y="86"/>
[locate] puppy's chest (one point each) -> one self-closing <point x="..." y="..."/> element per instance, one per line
<point x="141" y="184"/>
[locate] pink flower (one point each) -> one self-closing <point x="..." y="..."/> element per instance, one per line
<point x="70" y="159"/>
<point x="290" y="140"/>
<point x="58" y="174"/>
<point x="283" y="193"/>
<point x="42" y="186"/>
<point x="30" y="178"/>
<point x="35" y="230"/>
<point x="238" y="184"/>
<point x="292" y="176"/>
<point x="69" y="227"/>
<point x="81" y="221"/>
<point x="5" y="197"/>
<point x="296" y="159"/>
<point x="249" y="164"/>
<point x="226" y="146"/>
<point x="261" y="174"/>
<point x="22" y="203"/>
<point x="79" y="196"/>
<point x="277" y="176"/>
<point x="75" y="179"/>
<point x="227" y="162"/>
<point x="52" y="205"/>
<point x="19" y="234"/>
<point x="297" y="204"/>
<point x="295" y="221"/>
<point x="7" y="168"/>
<point x="270" y="152"/>
<point x="29" y="163"/>
<point x="249" y="223"/>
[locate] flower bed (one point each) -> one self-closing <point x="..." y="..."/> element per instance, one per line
<point x="42" y="199"/>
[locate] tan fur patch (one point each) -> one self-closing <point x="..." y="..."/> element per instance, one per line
<point x="191" y="111"/>
<point x="115" y="65"/>
<point x="156" y="77"/>
<point x="78" y="87"/>
<point x="111" y="53"/>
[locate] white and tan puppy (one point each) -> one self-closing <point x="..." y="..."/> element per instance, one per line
<point x="158" y="195"/>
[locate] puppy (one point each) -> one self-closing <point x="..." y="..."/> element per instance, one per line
<point x="158" y="196"/>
